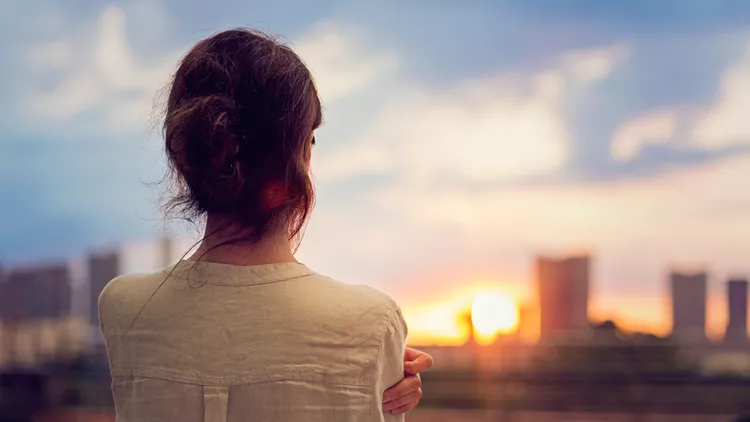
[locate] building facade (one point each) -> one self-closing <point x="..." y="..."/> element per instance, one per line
<point x="36" y="304"/>
<point x="563" y="288"/>
<point x="102" y="267"/>
<point x="689" y="293"/>
<point x="737" y="308"/>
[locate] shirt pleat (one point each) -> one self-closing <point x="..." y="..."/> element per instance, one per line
<point x="215" y="403"/>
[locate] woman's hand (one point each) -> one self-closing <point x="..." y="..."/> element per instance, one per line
<point x="405" y="395"/>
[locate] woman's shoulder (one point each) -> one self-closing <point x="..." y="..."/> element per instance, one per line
<point x="128" y="286"/>
<point x="355" y="295"/>
<point x="124" y="294"/>
<point x="336" y="299"/>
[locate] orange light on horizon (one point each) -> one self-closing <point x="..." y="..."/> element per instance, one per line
<point x="445" y="320"/>
<point x="493" y="314"/>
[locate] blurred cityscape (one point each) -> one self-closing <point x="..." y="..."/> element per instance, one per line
<point x="54" y="365"/>
<point x="52" y="356"/>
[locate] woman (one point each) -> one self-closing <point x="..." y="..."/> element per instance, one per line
<point x="240" y="330"/>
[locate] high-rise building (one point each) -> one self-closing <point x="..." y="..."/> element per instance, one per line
<point x="35" y="301"/>
<point x="46" y="289"/>
<point x="12" y="314"/>
<point x="6" y="329"/>
<point x="737" y="304"/>
<point x="16" y="292"/>
<point x="3" y="299"/>
<point x="102" y="268"/>
<point x="689" y="293"/>
<point x="563" y="296"/>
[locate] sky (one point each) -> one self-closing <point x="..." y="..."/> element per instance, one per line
<point x="461" y="140"/>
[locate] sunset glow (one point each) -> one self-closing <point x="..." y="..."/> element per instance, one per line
<point x="493" y="313"/>
<point x="440" y="320"/>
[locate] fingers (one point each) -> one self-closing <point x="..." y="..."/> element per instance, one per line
<point x="409" y="384"/>
<point x="404" y="403"/>
<point x="403" y="409"/>
<point x="405" y="395"/>
<point x="411" y="354"/>
<point x="416" y="361"/>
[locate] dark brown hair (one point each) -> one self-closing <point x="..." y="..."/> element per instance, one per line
<point x="239" y="113"/>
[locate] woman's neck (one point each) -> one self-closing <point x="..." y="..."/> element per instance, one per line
<point x="220" y="245"/>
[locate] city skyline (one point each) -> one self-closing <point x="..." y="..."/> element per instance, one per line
<point x="437" y="322"/>
<point x="447" y="161"/>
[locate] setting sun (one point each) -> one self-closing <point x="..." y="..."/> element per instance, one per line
<point x="493" y="313"/>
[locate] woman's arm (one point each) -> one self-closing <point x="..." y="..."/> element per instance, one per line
<point x="389" y="368"/>
<point x="405" y="395"/>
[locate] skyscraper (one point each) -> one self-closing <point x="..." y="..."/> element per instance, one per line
<point x="46" y="289"/>
<point x="36" y="300"/>
<point x="6" y="328"/>
<point x="102" y="268"/>
<point x="16" y="292"/>
<point x="689" y="306"/>
<point x="563" y="296"/>
<point x="737" y="304"/>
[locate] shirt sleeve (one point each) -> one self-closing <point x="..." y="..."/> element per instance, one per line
<point x="389" y="368"/>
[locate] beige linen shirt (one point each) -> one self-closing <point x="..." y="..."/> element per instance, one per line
<point x="220" y="343"/>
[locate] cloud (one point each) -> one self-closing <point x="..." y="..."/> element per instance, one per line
<point x="499" y="127"/>
<point x="594" y="64"/>
<point x="54" y="55"/>
<point x="338" y="61"/>
<point x="726" y="122"/>
<point x="515" y="118"/>
<point x="674" y="205"/>
<point x="482" y="130"/>
<point x="633" y="135"/>
<point x="720" y="125"/>
<point x="97" y="72"/>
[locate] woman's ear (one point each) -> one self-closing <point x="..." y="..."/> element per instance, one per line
<point x="308" y="149"/>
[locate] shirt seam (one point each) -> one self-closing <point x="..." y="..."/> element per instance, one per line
<point x="307" y="273"/>
<point x="220" y="284"/>
<point x="223" y="381"/>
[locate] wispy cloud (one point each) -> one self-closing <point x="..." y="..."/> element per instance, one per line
<point x="719" y="125"/>
<point x="503" y="126"/>
<point x="659" y="127"/>
<point x="342" y="66"/>
<point x="726" y="123"/>
<point x="97" y="74"/>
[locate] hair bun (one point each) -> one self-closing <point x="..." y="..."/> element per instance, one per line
<point x="203" y="127"/>
<point x="239" y="116"/>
